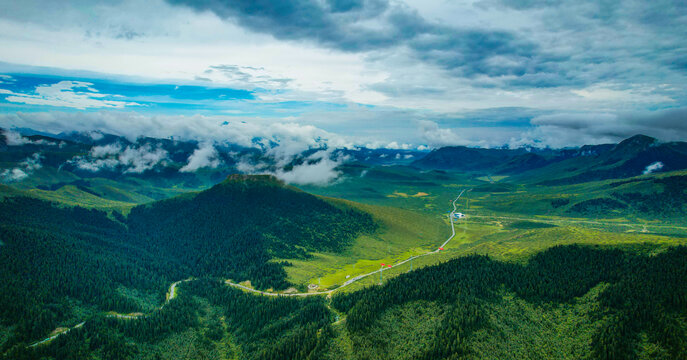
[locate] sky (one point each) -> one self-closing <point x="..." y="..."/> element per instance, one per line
<point x="346" y="73"/>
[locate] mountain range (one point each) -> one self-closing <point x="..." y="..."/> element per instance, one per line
<point x="631" y="157"/>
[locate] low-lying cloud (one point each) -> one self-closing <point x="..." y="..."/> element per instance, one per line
<point x="24" y="170"/>
<point x="13" y="138"/>
<point x="205" y="156"/>
<point x="318" y="168"/>
<point x="653" y="167"/>
<point x="277" y="139"/>
<point x="129" y="159"/>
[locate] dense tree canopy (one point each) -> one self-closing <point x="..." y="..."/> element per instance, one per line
<point x="52" y="256"/>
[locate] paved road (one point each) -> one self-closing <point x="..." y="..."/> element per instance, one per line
<point x="359" y="277"/>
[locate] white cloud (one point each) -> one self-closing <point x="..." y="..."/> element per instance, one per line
<point x="11" y="175"/>
<point x="605" y="93"/>
<point x="95" y="165"/>
<point x="131" y="159"/>
<point x="96" y="135"/>
<point x="204" y="156"/>
<point x="317" y="169"/>
<point x="13" y="138"/>
<point x="103" y="151"/>
<point x="138" y="160"/>
<point x="653" y="167"/>
<point x="24" y="170"/>
<point x="32" y="163"/>
<point x="5" y="79"/>
<point x="432" y="134"/>
<point x="280" y="140"/>
<point x="396" y="146"/>
<point x="575" y="129"/>
<point x="72" y="94"/>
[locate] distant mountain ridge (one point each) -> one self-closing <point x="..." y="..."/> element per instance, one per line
<point x="68" y="157"/>
<point x="630" y="157"/>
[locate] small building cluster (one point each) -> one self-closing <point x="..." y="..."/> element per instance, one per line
<point x="458" y="215"/>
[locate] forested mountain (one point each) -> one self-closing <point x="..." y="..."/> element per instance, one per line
<point x="59" y="263"/>
<point x="463" y="158"/>
<point x="631" y="157"/>
<point x="241" y="223"/>
<point x="637" y="312"/>
<point x="618" y="305"/>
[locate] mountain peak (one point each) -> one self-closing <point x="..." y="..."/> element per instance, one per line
<point x="636" y="143"/>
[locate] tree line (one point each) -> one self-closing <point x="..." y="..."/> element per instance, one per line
<point x="55" y="259"/>
<point x="646" y="296"/>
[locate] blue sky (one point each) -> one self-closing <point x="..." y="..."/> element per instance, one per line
<point x="356" y="72"/>
<point x="38" y="92"/>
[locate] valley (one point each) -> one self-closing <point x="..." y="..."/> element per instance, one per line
<point x="343" y="180"/>
<point x="276" y="271"/>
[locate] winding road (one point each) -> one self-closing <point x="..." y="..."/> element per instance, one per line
<point x="58" y="334"/>
<point x="359" y="277"/>
<point x="172" y="292"/>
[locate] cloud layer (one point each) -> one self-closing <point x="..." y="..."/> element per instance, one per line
<point x="205" y="156"/>
<point x="318" y="168"/>
<point x="24" y="170"/>
<point x="129" y="159"/>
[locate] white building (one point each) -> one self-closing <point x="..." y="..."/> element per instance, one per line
<point x="458" y="215"/>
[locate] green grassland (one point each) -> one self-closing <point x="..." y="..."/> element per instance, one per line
<point x="100" y="193"/>
<point x="402" y="234"/>
<point x="503" y="243"/>
<point x="507" y="221"/>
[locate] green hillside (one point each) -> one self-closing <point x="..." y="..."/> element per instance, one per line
<point x="234" y="228"/>
<point x="567" y="302"/>
<point x="61" y="264"/>
<point x="583" y="269"/>
<point x="570" y="302"/>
